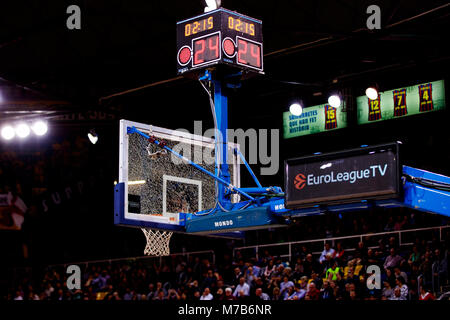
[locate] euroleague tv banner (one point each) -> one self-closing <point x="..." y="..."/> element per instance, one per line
<point x="371" y="175"/>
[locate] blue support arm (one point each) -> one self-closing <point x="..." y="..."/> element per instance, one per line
<point x="426" y="191"/>
<point x="237" y="151"/>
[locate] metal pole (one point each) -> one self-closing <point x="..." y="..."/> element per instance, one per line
<point x="221" y="110"/>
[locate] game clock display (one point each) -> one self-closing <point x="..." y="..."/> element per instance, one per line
<point x="219" y="37"/>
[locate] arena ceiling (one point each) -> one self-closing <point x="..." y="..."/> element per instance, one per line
<point x="310" y="46"/>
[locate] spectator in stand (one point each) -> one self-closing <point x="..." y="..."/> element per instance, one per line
<point x="351" y="277"/>
<point x="400" y="285"/>
<point x="19" y="296"/>
<point x="326" y="293"/>
<point x="392" y="244"/>
<point x="389" y="225"/>
<point x="100" y="281"/>
<point x="393" y="260"/>
<point x="303" y="253"/>
<point x="219" y="294"/>
<point x="151" y="291"/>
<point x="276" y="294"/>
<point x="415" y="256"/>
<point x="237" y="276"/>
<point x="303" y="283"/>
<point x="349" y="267"/>
<point x="206" y="295"/>
<point x="390" y="277"/>
<point x="315" y="279"/>
<point x="386" y="292"/>
<point x="256" y="268"/>
<point x="278" y="274"/>
<point x="400" y="273"/>
<point x="440" y="268"/>
<point x="370" y="258"/>
<point x="171" y="295"/>
<point x="242" y="289"/>
<point x="361" y="251"/>
<point x="313" y="293"/>
<point x="339" y="253"/>
<point x="358" y="267"/>
<point x="402" y="222"/>
<point x="327" y="251"/>
<point x="299" y="269"/>
<point x="284" y="286"/>
<point x="228" y="295"/>
<point x="336" y="291"/>
<point x="192" y="289"/>
<point x="49" y="290"/>
<point x="299" y="292"/>
<point x="260" y="295"/>
<point x="289" y="294"/>
<point x="269" y="269"/>
<point x="249" y="276"/>
<point x="310" y="265"/>
<point x="380" y="252"/>
<point x="333" y="273"/>
<point x="210" y="280"/>
<point x="425" y="294"/>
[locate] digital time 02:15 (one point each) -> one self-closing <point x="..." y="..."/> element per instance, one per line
<point x="198" y="26"/>
<point x="241" y="26"/>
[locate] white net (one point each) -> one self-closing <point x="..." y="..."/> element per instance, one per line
<point x="157" y="242"/>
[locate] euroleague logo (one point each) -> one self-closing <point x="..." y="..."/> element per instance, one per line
<point x="300" y="181"/>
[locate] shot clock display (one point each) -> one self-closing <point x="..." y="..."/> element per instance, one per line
<point x="219" y="37"/>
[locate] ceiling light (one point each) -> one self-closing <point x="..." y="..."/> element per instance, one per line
<point x="334" y="101"/>
<point x="296" y="109"/>
<point x="39" y="128"/>
<point x="8" y="132"/>
<point x="372" y="93"/>
<point x="22" y="130"/>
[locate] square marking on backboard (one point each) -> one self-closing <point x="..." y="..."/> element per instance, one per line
<point x="185" y="191"/>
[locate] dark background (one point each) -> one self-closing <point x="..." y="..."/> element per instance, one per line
<point x="311" y="47"/>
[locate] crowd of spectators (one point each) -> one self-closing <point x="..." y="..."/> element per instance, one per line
<point x="338" y="273"/>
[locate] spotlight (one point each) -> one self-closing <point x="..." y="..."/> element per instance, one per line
<point x="22" y="130"/>
<point x="334" y="101"/>
<point x="39" y="128"/>
<point x="212" y="5"/>
<point x="296" y="109"/>
<point x="371" y="93"/>
<point x="8" y="132"/>
<point x="93" y="137"/>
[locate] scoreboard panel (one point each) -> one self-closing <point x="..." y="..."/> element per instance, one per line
<point x="220" y="37"/>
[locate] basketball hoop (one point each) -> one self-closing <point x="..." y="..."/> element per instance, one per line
<point x="157" y="242"/>
<point x="156" y="154"/>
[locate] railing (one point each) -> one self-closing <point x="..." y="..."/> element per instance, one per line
<point x="285" y="249"/>
<point x="184" y="254"/>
